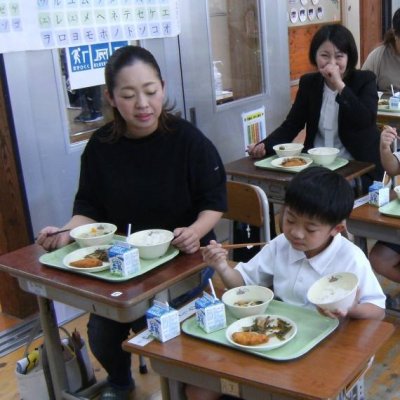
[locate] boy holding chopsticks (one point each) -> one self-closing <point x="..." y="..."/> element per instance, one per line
<point x="317" y="203"/>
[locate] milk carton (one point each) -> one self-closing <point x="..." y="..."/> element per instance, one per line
<point x="163" y="321"/>
<point x="210" y="313"/>
<point x="378" y="194"/>
<point x="394" y="103"/>
<point x="124" y="259"/>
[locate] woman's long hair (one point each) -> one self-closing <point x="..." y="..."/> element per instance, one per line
<point x="394" y="31"/>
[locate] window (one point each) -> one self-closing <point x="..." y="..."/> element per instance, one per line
<point x="236" y="51"/>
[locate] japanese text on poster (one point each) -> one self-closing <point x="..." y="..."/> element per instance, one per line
<point x="46" y="24"/>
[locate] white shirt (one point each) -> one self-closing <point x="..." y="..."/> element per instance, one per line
<point x="328" y="133"/>
<point x="292" y="273"/>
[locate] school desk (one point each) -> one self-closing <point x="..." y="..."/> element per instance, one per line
<point x="121" y="301"/>
<point x="366" y="222"/>
<point x="322" y="373"/>
<point x="275" y="182"/>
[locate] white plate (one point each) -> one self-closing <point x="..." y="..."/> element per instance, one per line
<point x="277" y="162"/>
<point x="273" y="341"/>
<point x="81" y="253"/>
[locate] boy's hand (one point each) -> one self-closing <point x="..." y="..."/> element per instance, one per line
<point x="215" y="256"/>
<point x="388" y="136"/>
<point x="339" y="314"/>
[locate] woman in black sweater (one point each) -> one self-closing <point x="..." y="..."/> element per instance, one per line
<point x="149" y="169"/>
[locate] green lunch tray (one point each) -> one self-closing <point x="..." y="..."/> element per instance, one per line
<point x="391" y="209"/>
<point x="386" y="108"/>
<point x="266" y="164"/>
<point x="312" y="328"/>
<point x="55" y="260"/>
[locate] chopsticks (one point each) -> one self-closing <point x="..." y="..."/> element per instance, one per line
<point x="57" y="232"/>
<point x="239" y="245"/>
<point x="54" y="233"/>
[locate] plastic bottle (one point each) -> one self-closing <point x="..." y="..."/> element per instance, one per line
<point x="217" y="78"/>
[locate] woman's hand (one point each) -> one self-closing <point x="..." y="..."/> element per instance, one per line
<point x="256" y="150"/>
<point x="333" y="77"/>
<point x="50" y="240"/>
<point x="186" y="240"/>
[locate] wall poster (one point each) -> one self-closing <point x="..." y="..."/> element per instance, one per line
<point x="48" y="24"/>
<point x="254" y="128"/>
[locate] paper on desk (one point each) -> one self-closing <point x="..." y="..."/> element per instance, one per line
<point x="146" y="337"/>
<point x="362" y="200"/>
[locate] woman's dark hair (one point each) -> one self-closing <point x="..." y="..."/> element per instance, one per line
<point x="318" y="192"/>
<point x="123" y="57"/>
<point x="341" y="37"/>
<point x="390" y="35"/>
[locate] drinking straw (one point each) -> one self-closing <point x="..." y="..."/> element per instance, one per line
<point x="129" y="230"/>
<point x="392" y="89"/>
<point x="383" y="179"/>
<point x="212" y="288"/>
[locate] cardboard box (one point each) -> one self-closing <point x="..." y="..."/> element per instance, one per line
<point x="378" y="194"/>
<point x="163" y="321"/>
<point x="124" y="259"/>
<point x="210" y="313"/>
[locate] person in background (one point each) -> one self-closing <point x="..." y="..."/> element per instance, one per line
<point x="385" y="257"/>
<point x="317" y="203"/>
<point x="150" y="169"/>
<point x="384" y="60"/>
<point x="337" y="104"/>
<point x="90" y="102"/>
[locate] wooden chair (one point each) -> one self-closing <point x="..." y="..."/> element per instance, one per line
<point x="248" y="204"/>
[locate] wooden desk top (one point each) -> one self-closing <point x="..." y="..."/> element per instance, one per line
<point x="320" y="374"/>
<point x="244" y="167"/>
<point x="370" y="214"/>
<point x="23" y="263"/>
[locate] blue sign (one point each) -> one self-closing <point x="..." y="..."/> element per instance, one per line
<point x="80" y="58"/>
<point x="100" y="54"/>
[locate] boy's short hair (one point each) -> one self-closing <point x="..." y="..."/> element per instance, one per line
<point x="318" y="192"/>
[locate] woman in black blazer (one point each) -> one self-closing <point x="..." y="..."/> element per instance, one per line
<point x="337" y="104"/>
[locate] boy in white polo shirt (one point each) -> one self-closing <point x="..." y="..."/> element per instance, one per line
<point x="317" y="203"/>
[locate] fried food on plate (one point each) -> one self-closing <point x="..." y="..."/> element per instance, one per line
<point x="293" y="162"/>
<point x="86" y="263"/>
<point x="249" y="338"/>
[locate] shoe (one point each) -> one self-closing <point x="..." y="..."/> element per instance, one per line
<point x="111" y="393"/>
<point x="94" y="116"/>
<point x="89" y="117"/>
<point x="81" y="117"/>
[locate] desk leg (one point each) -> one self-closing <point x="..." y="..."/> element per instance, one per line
<point x="361" y="242"/>
<point x="359" y="188"/>
<point x="165" y="393"/>
<point x="53" y="345"/>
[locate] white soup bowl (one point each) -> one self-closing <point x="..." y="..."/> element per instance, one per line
<point x="244" y="301"/>
<point x="95" y="234"/>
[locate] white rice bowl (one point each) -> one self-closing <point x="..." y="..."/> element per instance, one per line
<point x="151" y="243"/>
<point x="334" y="291"/>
